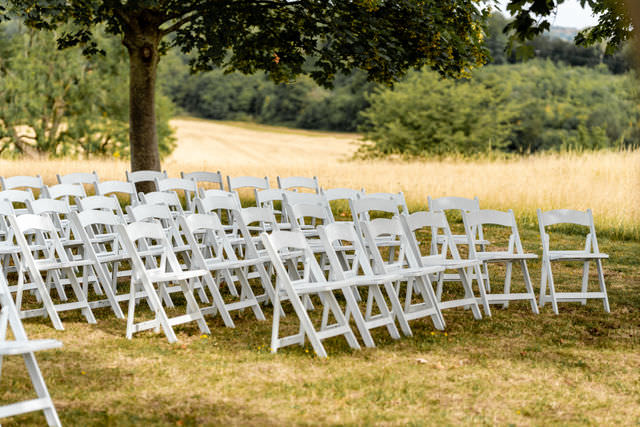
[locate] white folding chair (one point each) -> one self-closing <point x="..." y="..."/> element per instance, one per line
<point x="101" y="245"/>
<point x="307" y="280"/>
<point x="211" y="251"/>
<point x="223" y="206"/>
<point x="299" y="182"/>
<point x="305" y="213"/>
<point x="447" y="256"/>
<point x="21" y="345"/>
<point x="358" y="269"/>
<point x="205" y="178"/>
<point x="167" y="271"/>
<point x="384" y="233"/>
<point x="591" y="252"/>
<point x="187" y="186"/>
<point x="47" y="255"/>
<point x="109" y="188"/>
<point x="514" y="253"/>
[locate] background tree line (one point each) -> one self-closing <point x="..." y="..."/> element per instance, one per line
<point x="569" y="97"/>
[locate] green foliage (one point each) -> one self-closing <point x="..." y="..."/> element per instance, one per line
<point x="519" y="108"/>
<point x="426" y="114"/>
<point x="300" y="103"/>
<point x="61" y="103"/>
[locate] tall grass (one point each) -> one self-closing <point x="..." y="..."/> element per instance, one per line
<point x="606" y="182"/>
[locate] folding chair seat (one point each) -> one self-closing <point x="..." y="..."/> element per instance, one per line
<point x="513" y="254"/>
<point x="18" y="199"/>
<point x="211" y="251"/>
<point x="299" y="182"/>
<point x="82" y="178"/>
<point x="103" y="203"/>
<point x="21" y="345"/>
<point x="166" y="271"/>
<point x="46" y="255"/>
<point x="590" y="253"/>
<point x="446" y="256"/>
<point x="188" y="187"/>
<point x="202" y="177"/>
<point x="113" y="188"/>
<point x="168" y="198"/>
<point x="357" y="268"/>
<point x="70" y="193"/>
<point x="377" y="234"/>
<point x="307" y="280"/>
<point x="241" y="183"/>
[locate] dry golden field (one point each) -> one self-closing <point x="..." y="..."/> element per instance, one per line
<point x="607" y="182"/>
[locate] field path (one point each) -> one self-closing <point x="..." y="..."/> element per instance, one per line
<point x="247" y="145"/>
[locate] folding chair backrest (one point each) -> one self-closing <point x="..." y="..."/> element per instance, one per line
<point x="296" y="182"/>
<point x="17" y="197"/>
<point x="344" y="235"/>
<point x="202" y="177"/>
<point x="284" y="242"/>
<point x="205" y="233"/>
<point x="78" y="178"/>
<point x="158" y="214"/>
<point x="454" y="203"/>
<point x="567" y="216"/>
<point x="435" y="221"/>
<point x="138" y="236"/>
<point x="167" y="198"/>
<point x="21" y="181"/>
<point x="214" y="192"/>
<point x="97" y="228"/>
<point x="239" y="182"/>
<point x="145" y="176"/>
<point x="385" y="229"/>
<point x="187" y="186"/>
<point x="362" y="208"/>
<point x="220" y="204"/>
<point x="397" y="198"/>
<point x="70" y="193"/>
<point x="102" y="203"/>
<point x="346" y="194"/>
<point x="473" y="220"/>
<point x="299" y="213"/>
<point x="47" y="246"/>
<point x="251" y="222"/>
<point x="108" y="188"/>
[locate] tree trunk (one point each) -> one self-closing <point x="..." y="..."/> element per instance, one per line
<point x="142" y="43"/>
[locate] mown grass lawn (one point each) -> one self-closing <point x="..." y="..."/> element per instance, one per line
<point x="581" y="367"/>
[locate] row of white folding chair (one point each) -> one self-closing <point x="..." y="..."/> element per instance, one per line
<point x="21" y="345"/>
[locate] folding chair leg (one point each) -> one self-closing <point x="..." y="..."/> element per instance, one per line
<point x="352" y="308"/>
<point x="543" y="283"/>
<point x="330" y="300"/>
<point x="483" y="294"/>
<point x="603" y="288"/>
<point x="507" y="283"/>
<point x="585" y="280"/>
<point x="467" y="283"/>
<point x="41" y="389"/>
<point x="552" y="288"/>
<point x="396" y="308"/>
<point x="192" y="306"/>
<point x="529" y="286"/>
<point x="384" y="311"/>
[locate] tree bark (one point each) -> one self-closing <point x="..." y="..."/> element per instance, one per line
<point x="142" y="41"/>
